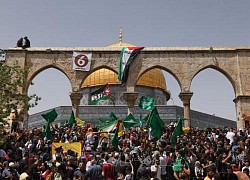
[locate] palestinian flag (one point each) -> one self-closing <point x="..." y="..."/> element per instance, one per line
<point x="100" y="94"/>
<point x="112" y="127"/>
<point x="127" y="56"/>
<point x="115" y="139"/>
<point x="109" y="127"/>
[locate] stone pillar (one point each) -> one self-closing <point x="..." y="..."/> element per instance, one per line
<point x="185" y="98"/>
<point x="130" y="98"/>
<point x="75" y="100"/>
<point x="242" y="105"/>
<point x="24" y="122"/>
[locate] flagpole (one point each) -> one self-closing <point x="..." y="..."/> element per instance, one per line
<point x="112" y="98"/>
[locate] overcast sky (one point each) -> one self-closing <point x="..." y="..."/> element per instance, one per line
<point x="146" y="23"/>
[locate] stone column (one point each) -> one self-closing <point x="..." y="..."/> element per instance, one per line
<point x="130" y="98"/>
<point x="242" y="105"/>
<point x="75" y="100"/>
<point x="185" y="98"/>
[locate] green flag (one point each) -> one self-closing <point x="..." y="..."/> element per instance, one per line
<point x="112" y="117"/>
<point x="143" y="121"/>
<point x="129" y="121"/>
<point x="177" y="167"/>
<point x="47" y="131"/>
<point x="146" y="103"/>
<point x="177" y="131"/>
<point x="71" y="119"/>
<point x="104" y="120"/>
<point x="156" y="124"/>
<point x="115" y="139"/>
<point x="140" y="121"/>
<point x="50" y="116"/>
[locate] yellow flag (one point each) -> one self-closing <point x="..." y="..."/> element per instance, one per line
<point x="75" y="146"/>
<point x="120" y="130"/>
<point x="79" y="122"/>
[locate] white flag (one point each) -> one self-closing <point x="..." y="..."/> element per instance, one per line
<point x="81" y="61"/>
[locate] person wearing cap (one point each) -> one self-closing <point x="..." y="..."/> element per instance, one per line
<point x="14" y="173"/>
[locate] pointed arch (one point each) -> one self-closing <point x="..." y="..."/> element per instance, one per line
<point x="41" y="70"/>
<point x="215" y="90"/>
<point x="222" y="71"/>
<point x="53" y="87"/>
<point x="161" y="68"/>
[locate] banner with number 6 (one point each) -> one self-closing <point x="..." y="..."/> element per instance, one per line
<point x="81" y="61"/>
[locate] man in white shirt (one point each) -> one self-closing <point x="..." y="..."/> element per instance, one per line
<point x="156" y="169"/>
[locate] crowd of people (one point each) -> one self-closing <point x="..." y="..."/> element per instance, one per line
<point x="213" y="153"/>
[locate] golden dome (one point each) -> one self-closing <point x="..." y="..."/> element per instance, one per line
<point x="101" y="77"/>
<point x="152" y="78"/>
<point x="121" y="44"/>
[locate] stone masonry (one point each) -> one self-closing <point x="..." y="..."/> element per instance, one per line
<point x="184" y="63"/>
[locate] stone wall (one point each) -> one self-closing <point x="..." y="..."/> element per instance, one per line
<point x="167" y="113"/>
<point x="184" y="63"/>
<point x="117" y="95"/>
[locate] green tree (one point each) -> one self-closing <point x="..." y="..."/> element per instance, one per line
<point x="12" y="98"/>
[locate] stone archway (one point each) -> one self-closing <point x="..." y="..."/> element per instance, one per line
<point x="183" y="62"/>
<point x="213" y="88"/>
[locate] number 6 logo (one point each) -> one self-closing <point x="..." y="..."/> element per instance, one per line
<point x="81" y="60"/>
